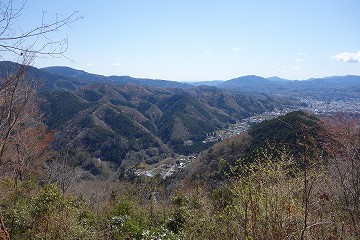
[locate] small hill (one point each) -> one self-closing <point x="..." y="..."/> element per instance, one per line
<point x="287" y="130"/>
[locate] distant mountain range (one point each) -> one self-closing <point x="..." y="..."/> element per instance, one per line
<point x="79" y="74"/>
<point x="333" y="87"/>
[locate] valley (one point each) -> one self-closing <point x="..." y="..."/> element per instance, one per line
<point x="171" y="166"/>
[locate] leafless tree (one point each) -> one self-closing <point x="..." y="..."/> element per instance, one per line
<point x="62" y="171"/>
<point x="343" y="145"/>
<point x="21" y="136"/>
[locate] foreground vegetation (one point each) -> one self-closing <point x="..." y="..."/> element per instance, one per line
<point x="280" y="194"/>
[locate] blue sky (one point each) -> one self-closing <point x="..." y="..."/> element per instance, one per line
<point x="194" y="40"/>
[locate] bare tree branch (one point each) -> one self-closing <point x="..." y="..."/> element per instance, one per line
<point x="34" y="41"/>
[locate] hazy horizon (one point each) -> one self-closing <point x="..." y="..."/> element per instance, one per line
<point x="209" y="80"/>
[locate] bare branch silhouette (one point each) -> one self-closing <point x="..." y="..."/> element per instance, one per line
<point x="33" y="41"/>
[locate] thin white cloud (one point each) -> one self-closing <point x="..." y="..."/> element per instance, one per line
<point x="236" y="49"/>
<point x="90" y="65"/>
<point x="117" y="64"/>
<point x="207" y="51"/>
<point x="299" y="60"/>
<point x="347" y="57"/>
<point x="303" y="54"/>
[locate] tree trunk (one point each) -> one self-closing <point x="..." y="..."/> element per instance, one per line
<point x="4" y="235"/>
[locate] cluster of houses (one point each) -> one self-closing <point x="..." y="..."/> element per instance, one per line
<point x="243" y="125"/>
<point x="328" y="107"/>
<point x="168" y="169"/>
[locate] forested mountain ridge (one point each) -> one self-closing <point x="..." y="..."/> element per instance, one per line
<point x="129" y="124"/>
